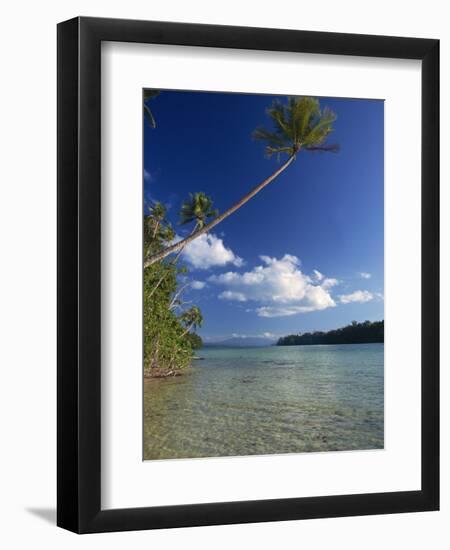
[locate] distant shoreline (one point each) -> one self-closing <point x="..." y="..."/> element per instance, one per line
<point x="271" y="346"/>
<point x="332" y="343"/>
<point x="356" y="333"/>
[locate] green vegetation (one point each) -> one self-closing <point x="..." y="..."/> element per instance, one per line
<point x="168" y="342"/>
<point x="355" y="333"/>
<point x="198" y="209"/>
<point x="195" y="340"/>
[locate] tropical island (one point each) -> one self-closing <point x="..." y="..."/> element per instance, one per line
<point x="298" y="125"/>
<point x="239" y="250"/>
<point x="355" y="333"/>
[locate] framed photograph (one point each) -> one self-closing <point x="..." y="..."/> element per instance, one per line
<point x="248" y="275"/>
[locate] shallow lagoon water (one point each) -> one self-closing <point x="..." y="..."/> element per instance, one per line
<point x="273" y="400"/>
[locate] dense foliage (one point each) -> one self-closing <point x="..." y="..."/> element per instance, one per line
<point x="355" y="333"/>
<point x="195" y="340"/>
<point x="168" y="342"/>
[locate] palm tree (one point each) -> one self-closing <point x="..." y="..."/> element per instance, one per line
<point x="298" y="125"/>
<point x="157" y="212"/>
<point x="198" y="209"/>
<point x="155" y="231"/>
<point x="149" y="94"/>
<point x="192" y="317"/>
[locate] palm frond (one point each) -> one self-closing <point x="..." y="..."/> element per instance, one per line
<point x="320" y="128"/>
<point x="279" y="115"/>
<point x="298" y="124"/>
<point x="149" y="116"/>
<point x="303" y="110"/>
<point x="331" y="148"/>
<point x="199" y="208"/>
<point x="192" y="317"/>
<point x="158" y="210"/>
<point x="271" y="138"/>
<point x="150" y="94"/>
<point x="270" y="151"/>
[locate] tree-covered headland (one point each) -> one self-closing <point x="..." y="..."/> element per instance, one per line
<point x="168" y="320"/>
<point x="355" y="333"/>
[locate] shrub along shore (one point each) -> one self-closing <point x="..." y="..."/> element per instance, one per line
<point x="169" y="342"/>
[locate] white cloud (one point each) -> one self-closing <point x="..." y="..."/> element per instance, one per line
<point x="325" y="282"/>
<point x="317" y="275"/>
<point x="266" y="335"/>
<point x="275" y="311"/>
<point x="207" y="251"/>
<point x="198" y="285"/>
<point x="269" y="336"/>
<point x="328" y="283"/>
<point x="359" y="296"/>
<point x="364" y="275"/>
<point x="279" y="286"/>
<point x="231" y="295"/>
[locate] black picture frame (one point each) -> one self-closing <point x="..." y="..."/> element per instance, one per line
<point x="79" y="281"/>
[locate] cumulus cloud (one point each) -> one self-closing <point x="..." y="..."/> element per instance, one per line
<point x="278" y="286"/>
<point x="198" y="285"/>
<point x="207" y="251"/>
<point x="232" y="295"/>
<point x="317" y="275"/>
<point x="325" y="282"/>
<point x="328" y="282"/>
<point x="364" y="275"/>
<point x="359" y="296"/>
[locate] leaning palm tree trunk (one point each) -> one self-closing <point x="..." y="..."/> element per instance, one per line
<point x="187" y="329"/>
<point x="164" y="275"/>
<point x="155" y="230"/>
<point x="173" y="262"/>
<point x="173" y="302"/>
<point x="181" y="244"/>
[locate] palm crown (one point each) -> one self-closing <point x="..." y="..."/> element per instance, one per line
<point x="299" y="124"/>
<point x="158" y="211"/>
<point x="156" y="228"/>
<point x="198" y="209"/>
<point x="192" y="318"/>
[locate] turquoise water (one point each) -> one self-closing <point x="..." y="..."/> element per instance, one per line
<point x="274" y="400"/>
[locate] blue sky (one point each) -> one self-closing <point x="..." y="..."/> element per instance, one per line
<point x="307" y="252"/>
